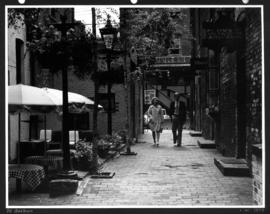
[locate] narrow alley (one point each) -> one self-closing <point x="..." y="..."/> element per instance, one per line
<point x="164" y="176"/>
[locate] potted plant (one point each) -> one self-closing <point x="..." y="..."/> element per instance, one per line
<point x="84" y="155"/>
<point x="103" y="146"/>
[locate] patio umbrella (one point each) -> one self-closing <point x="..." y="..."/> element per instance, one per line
<point x="77" y="102"/>
<point x="56" y="96"/>
<point x="24" y="97"/>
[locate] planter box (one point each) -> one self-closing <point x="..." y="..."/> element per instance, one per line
<point x="104" y="175"/>
<point x="232" y="167"/>
<point x="59" y="187"/>
<point x="195" y="134"/>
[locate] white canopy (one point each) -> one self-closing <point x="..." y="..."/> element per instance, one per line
<point x="57" y="97"/>
<point x="28" y="95"/>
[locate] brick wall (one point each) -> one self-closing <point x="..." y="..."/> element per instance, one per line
<point x="227" y="138"/>
<point x="254" y="77"/>
<point x="254" y="96"/>
<point x="202" y="121"/>
<point x="206" y="121"/>
<point x="257" y="179"/>
<point x="186" y="38"/>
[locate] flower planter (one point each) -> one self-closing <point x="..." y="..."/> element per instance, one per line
<point x="103" y="151"/>
<point x="83" y="164"/>
<point x="83" y="156"/>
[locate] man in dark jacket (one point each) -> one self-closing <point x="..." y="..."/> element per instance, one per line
<point x="178" y="117"/>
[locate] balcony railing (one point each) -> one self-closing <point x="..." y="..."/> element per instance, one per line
<point x="173" y="59"/>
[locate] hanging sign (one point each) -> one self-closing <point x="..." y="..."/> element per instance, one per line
<point x="222" y="32"/>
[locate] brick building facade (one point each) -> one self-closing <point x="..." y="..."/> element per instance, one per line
<point x="234" y="105"/>
<point x="254" y="74"/>
<point x="18" y="73"/>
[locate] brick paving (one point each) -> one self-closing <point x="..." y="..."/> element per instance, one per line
<point x="164" y="176"/>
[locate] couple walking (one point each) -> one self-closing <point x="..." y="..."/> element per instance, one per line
<point x="178" y="118"/>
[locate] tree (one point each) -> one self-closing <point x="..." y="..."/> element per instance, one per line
<point x="44" y="40"/>
<point x="150" y="29"/>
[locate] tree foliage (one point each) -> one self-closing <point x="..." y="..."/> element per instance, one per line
<point x="102" y="13"/>
<point x="150" y="29"/>
<point x="52" y="49"/>
<point x="28" y="16"/>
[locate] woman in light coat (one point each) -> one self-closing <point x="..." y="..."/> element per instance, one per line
<point x="155" y="119"/>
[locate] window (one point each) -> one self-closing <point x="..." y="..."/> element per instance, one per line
<point x="19" y="60"/>
<point x="103" y="100"/>
<point x="78" y="121"/>
<point x="213" y="77"/>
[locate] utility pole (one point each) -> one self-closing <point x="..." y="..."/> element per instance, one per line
<point x="96" y="86"/>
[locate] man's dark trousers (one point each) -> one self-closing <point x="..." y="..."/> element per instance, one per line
<point x="178" y="121"/>
<point x="177" y="127"/>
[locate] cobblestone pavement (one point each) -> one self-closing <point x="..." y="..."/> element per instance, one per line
<point x="164" y="176"/>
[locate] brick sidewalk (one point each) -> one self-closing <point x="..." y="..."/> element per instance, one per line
<point x="164" y="176"/>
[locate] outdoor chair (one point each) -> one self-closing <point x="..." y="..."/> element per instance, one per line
<point x="73" y="137"/>
<point x="48" y="135"/>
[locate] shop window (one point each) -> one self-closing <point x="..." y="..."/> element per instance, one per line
<point x="213" y="76"/>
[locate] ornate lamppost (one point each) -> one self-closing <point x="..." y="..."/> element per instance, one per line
<point x="109" y="35"/>
<point x="65" y="29"/>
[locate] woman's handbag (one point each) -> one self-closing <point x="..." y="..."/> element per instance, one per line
<point x="151" y="124"/>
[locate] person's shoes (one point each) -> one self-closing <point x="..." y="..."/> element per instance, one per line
<point x="178" y="145"/>
<point x="157" y="145"/>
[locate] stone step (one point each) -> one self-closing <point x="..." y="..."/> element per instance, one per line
<point x="195" y="134"/>
<point x="232" y="167"/>
<point x="206" y="144"/>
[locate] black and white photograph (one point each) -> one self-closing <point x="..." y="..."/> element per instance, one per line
<point x="134" y="106"/>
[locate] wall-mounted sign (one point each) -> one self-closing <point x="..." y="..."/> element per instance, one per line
<point x="222" y="32"/>
<point x="148" y="96"/>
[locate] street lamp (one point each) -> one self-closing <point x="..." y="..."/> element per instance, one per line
<point x="109" y="35"/>
<point x="65" y="29"/>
